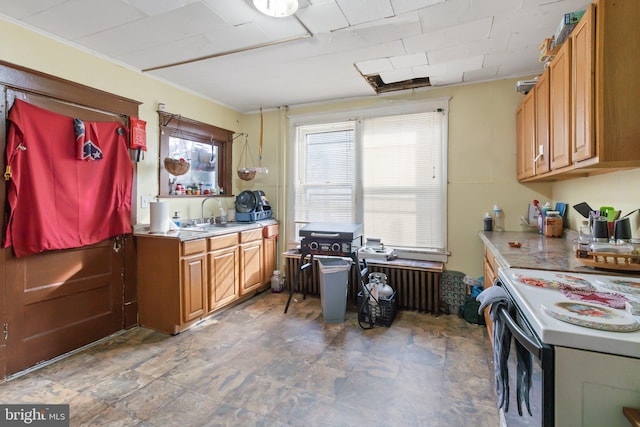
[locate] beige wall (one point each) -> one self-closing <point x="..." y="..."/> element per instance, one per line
<point x="481" y="143"/>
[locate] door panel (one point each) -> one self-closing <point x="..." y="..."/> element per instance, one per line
<point x="60" y="301"/>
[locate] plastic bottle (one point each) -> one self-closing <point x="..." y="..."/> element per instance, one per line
<point x="488" y="222"/>
<point x="276" y="282"/>
<point x="223" y="218"/>
<point x="543" y="212"/>
<point x="176" y="219"/>
<point x="499" y="215"/>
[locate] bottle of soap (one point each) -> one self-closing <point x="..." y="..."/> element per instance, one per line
<point x="176" y="219"/>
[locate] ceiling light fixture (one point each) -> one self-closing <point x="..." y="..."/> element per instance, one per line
<point x="276" y="8"/>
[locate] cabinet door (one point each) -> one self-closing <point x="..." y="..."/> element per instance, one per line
<point x="525" y="128"/>
<point x="560" y="107"/>
<point x="541" y="146"/>
<point x="270" y="258"/>
<point x="224" y="280"/>
<point x="251" y="266"/>
<point x="582" y="48"/>
<point x="194" y="279"/>
<point x="520" y="141"/>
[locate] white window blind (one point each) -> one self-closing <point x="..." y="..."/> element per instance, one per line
<point x="402" y="180"/>
<point x="387" y="171"/>
<point x="326" y="175"/>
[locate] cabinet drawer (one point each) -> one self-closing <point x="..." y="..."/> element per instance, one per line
<point x="251" y="235"/>
<point x="193" y="247"/>
<point x="270" y="231"/>
<point x="221" y="242"/>
<point x="491" y="260"/>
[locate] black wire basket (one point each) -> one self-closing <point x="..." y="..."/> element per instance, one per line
<point x="380" y="311"/>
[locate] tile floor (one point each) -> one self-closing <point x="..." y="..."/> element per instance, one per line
<point x="253" y="365"/>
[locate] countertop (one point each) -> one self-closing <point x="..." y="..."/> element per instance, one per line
<point x="192" y="233"/>
<point x="537" y="251"/>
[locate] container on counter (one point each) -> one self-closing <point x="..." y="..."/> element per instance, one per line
<point x="499" y="218"/>
<point x="488" y="222"/>
<point x="553" y="224"/>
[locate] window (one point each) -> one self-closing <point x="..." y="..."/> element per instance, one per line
<point x="385" y="170"/>
<point x="205" y="147"/>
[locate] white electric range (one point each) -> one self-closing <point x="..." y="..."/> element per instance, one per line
<point x="583" y="376"/>
<point x="538" y="300"/>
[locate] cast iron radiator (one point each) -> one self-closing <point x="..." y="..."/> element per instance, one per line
<point x="417" y="288"/>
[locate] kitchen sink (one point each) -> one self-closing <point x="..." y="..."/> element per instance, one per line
<point x="206" y="227"/>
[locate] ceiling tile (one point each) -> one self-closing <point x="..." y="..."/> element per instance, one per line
<point x="468" y="49"/>
<point x="493" y="7"/>
<point x="405" y="61"/>
<point x="442" y="15"/>
<point x="402" y="6"/>
<point x="234" y="12"/>
<point x="485" y="73"/>
<point x="394" y="76"/>
<point x="87" y="16"/>
<point x="21" y="9"/>
<point x="155" y="7"/>
<point x="323" y="17"/>
<point x="374" y="66"/>
<point x="359" y="11"/>
<point x="466" y="64"/>
<point x="468" y="32"/>
<point x="446" y="80"/>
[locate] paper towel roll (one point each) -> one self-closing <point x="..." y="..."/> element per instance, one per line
<point x="159" y="217"/>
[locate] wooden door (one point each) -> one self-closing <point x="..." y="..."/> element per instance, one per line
<point x="560" y="107"/>
<point x="541" y="146"/>
<point x="194" y="279"/>
<point x="251" y="265"/>
<point x="224" y="280"/>
<point x="583" y="48"/>
<point x="60" y="301"/>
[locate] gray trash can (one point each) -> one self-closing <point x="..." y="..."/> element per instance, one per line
<point x="334" y="279"/>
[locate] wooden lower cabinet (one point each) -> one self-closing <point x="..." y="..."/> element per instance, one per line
<point x="172" y="283"/>
<point x="251" y="260"/>
<point x="182" y="282"/>
<point x="194" y="288"/>
<point x="223" y="262"/>
<point x="490" y="275"/>
<point x="270" y="242"/>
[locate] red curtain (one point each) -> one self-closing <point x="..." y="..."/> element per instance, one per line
<point x="56" y="200"/>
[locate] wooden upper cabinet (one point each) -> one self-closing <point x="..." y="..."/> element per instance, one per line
<point x="593" y="102"/>
<point x="582" y="55"/>
<point x="541" y="147"/>
<point x="520" y="141"/>
<point x="560" y="107"/>
<point x="528" y="133"/>
<point x="617" y="49"/>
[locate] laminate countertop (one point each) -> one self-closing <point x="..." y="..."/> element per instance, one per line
<point x="536" y="251"/>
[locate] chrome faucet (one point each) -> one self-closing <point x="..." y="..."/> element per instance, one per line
<point x="217" y="199"/>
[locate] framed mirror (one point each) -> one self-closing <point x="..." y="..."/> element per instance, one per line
<point x="195" y="157"/>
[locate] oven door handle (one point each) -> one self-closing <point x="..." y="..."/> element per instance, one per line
<point x="518" y="334"/>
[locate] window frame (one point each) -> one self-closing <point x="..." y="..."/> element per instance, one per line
<point x="357" y="115"/>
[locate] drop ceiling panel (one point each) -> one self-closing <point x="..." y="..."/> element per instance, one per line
<point x="394" y="76"/>
<point x="87" y="17"/>
<point x="155" y="7"/>
<point x="443" y="15"/>
<point x="21" y="9"/>
<point x="406" y="61"/>
<point x="323" y="17"/>
<point x="359" y="11"/>
<point x="402" y="6"/>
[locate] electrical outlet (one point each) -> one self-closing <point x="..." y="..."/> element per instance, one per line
<point x="144" y="202"/>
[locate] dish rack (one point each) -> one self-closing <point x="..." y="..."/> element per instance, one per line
<point x="610" y="260"/>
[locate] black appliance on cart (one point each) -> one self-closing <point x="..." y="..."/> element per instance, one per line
<point x="329" y="239"/>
